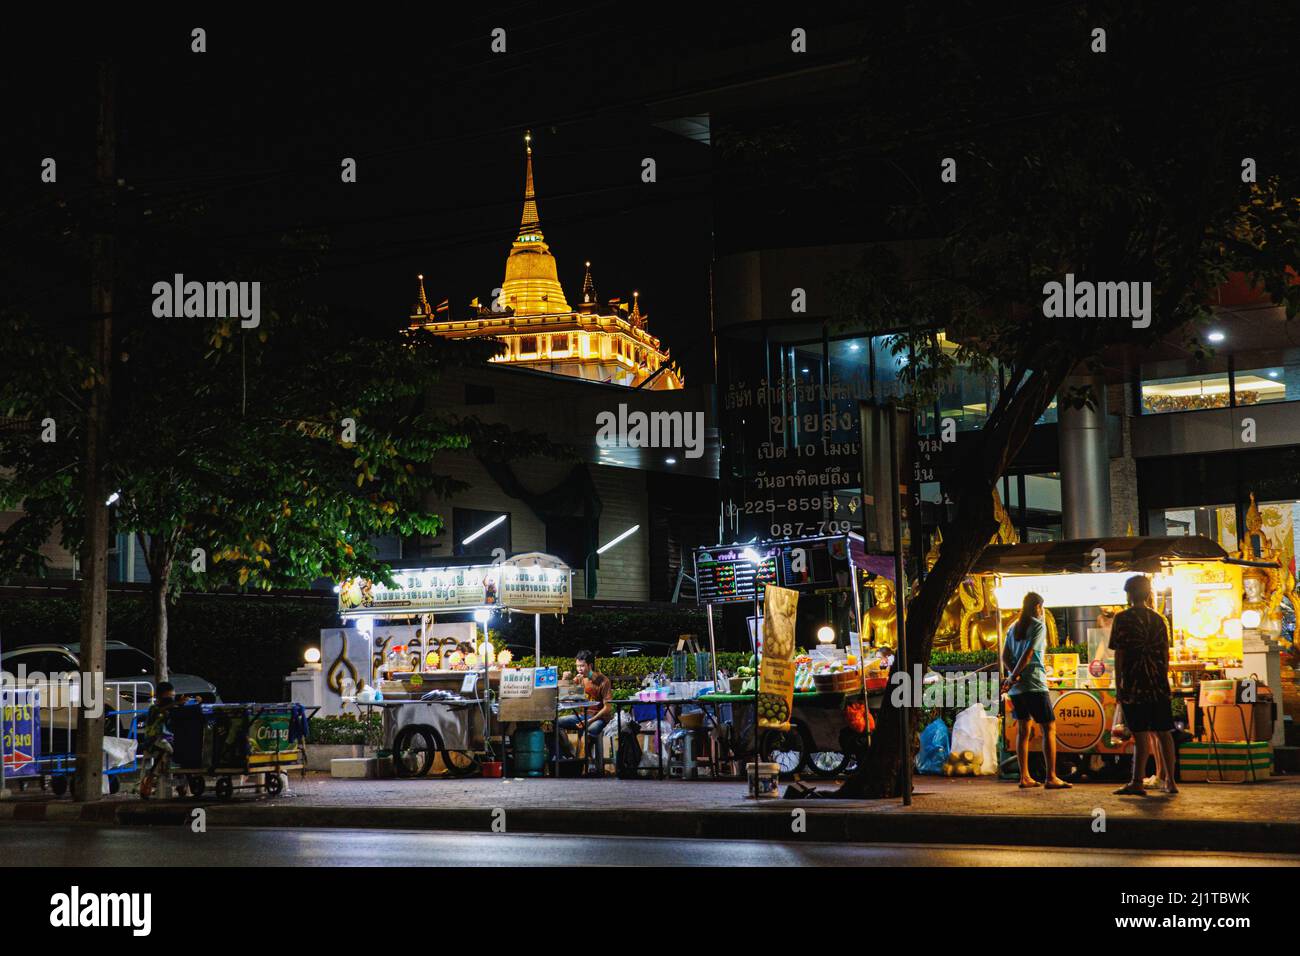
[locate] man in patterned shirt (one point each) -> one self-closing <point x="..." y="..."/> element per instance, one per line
<point x="1140" y="640"/>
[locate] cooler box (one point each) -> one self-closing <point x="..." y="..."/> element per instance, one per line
<point x="1225" y="761"/>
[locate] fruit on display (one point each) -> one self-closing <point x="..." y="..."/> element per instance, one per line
<point x="772" y="709"/>
<point x="963" y="763"/>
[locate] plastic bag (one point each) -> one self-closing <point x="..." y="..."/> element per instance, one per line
<point x="1118" y="729"/>
<point x="934" y="747"/>
<point x="976" y="731"/>
<point x="118" y="752"/>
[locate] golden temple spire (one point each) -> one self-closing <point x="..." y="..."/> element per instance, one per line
<point x="422" y="308"/>
<point x="588" y="287"/>
<point x="529" y="224"/>
<point x="532" y="285"/>
<point x="637" y="320"/>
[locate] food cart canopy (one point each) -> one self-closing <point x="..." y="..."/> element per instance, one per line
<point x="533" y="583"/>
<point x="1132" y="555"/>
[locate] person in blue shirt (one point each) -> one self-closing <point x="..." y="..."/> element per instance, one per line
<point x="1026" y="688"/>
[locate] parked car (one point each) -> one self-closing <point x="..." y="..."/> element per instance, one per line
<point x="122" y="662"/>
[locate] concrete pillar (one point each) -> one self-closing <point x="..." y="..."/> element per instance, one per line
<point x="1085" y="480"/>
<point x="1085" y="464"/>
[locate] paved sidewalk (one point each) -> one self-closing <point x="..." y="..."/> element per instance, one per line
<point x="1261" y="817"/>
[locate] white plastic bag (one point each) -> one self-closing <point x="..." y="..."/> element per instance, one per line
<point x="976" y="731"/>
<point x="118" y="752"/>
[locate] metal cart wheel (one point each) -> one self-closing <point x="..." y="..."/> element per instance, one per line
<point x="225" y="788"/>
<point x="788" y="749"/>
<point x="834" y="763"/>
<point x="197" y="783"/>
<point x="413" y="750"/>
<point x="830" y="763"/>
<point x="274" y="785"/>
<point x="59" y="785"/>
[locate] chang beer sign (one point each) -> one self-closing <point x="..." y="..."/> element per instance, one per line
<point x="268" y="735"/>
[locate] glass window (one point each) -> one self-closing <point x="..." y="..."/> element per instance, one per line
<point x="968" y="396"/>
<point x="485" y="531"/>
<point x="1216" y="522"/>
<point x="1272" y="376"/>
<point x="1185" y="385"/>
<point x="1279" y="527"/>
<point x="887" y="366"/>
<point x="1041" y="511"/>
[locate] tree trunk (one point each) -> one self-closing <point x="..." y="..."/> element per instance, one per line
<point x="159" y="554"/>
<point x="159" y="593"/>
<point x="878" y="775"/>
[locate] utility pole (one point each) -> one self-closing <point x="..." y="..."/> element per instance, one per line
<point x="88" y="784"/>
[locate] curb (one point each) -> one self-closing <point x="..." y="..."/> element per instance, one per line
<point x="822" y="824"/>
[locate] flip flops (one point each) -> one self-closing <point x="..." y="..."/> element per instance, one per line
<point x="1130" y="791"/>
<point x="1059" y="786"/>
<point x="1030" y="786"/>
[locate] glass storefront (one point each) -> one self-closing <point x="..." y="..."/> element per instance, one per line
<point x="1216" y="522"/>
<point x="1185" y="386"/>
<point x="1245" y="378"/>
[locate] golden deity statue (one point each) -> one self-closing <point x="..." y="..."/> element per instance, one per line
<point x="1263" y="588"/>
<point x="881" y="620"/>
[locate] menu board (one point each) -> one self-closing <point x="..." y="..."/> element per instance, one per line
<point x="727" y="575"/>
<point x="735" y="573"/>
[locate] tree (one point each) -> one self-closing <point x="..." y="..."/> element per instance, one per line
<point x="1122" y="166"/>
<point x="253" y="458"/>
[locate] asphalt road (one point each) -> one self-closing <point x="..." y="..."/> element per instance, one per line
<point x="81" y="845"/>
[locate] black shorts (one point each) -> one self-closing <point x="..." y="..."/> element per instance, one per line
<point x="1035" y="706"/>
<point x="1153" y="715"/>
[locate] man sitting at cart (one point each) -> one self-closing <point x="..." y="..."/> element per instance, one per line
<point x="597" y="688"/>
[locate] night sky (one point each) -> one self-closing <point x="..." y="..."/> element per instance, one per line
<point x="255" y="129"/>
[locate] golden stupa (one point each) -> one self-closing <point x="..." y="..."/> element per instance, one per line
<point x="532" y="317"/>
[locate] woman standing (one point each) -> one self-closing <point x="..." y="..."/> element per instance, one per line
<point x="1026" y="689"/>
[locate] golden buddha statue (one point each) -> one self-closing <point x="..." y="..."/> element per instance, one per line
<point x="1263" y="588"/>
<point x="881" y="620"/>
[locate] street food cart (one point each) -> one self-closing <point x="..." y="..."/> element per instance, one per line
<point x="1198" y="587"/>
<point x="436" y="693"/>
<point x="827" y="709"/>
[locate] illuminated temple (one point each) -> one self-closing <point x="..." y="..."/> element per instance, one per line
<point x="540" y="330"/>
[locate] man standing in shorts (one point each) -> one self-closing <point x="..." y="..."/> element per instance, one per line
<point x="1140" y="640"/>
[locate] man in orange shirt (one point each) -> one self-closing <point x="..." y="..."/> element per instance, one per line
<point x="600" y="690"/>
